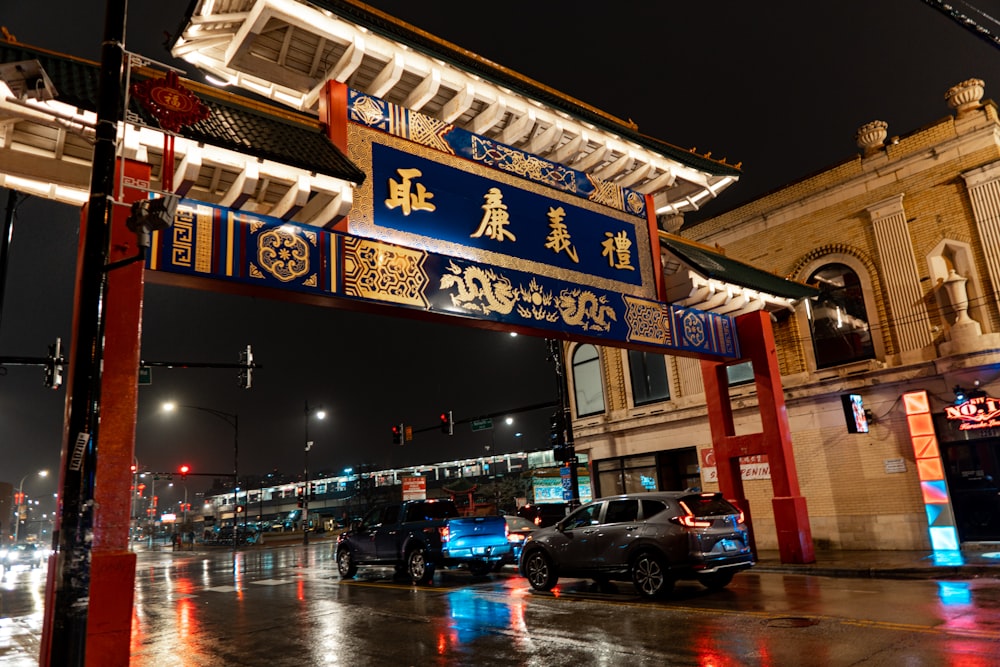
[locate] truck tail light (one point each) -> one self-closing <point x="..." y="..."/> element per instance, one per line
<point x="444" y="533"/>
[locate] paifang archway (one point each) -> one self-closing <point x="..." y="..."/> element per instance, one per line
<point x="447" y="224"/>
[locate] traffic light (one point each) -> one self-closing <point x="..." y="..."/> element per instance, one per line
<point x="240" y="509"/>
<point x="557" y="437"/>
<point x="246" y="370"/>
<point x="447" y="423"/>
<point x="54" y="365"/>
<point x="184" y="470"/>
<point x="300" y="496"/>
<point x="397" y="433"/>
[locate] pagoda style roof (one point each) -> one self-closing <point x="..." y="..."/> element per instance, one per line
<point x="245" y="154"/>
<point x="701" y="277"/>
<point x="287" y="49"/>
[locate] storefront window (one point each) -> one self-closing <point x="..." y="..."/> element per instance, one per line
<point x="649" y="377"/>
<point x="630" y="474"/>
<point x="838" y="320"/>
<point x="587" y="381"/>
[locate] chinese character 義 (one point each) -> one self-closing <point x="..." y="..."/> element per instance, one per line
<point x="495" y="218"/>
<point x="558" y="239"/>
<point x="400" y="193"/>
<point x="617" y="248"/>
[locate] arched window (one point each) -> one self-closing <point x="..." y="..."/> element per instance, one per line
<point x="649" y="377"/>
<point x="587" y="381"/>
<point x="838" y="320"/>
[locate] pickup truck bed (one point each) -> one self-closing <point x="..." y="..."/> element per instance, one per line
<point x="418" y="536"/>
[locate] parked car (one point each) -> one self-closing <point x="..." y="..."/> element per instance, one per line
<point x="544" y="514"/>
<point x="518" y="530"/>
<point x="652" y="539"/>
<point x="419" y="536"/>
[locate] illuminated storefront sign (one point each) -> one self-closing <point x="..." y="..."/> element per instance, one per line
<point x="975" y="414"/>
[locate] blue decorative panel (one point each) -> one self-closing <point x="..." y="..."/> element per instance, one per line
<point x="212" y="242"/>
<point x="381" y="115"/>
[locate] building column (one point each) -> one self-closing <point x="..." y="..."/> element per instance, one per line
<point x="910" y="318"/>
<point x="983" y="185"/>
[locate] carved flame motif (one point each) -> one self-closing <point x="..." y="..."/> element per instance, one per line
<point x="285" y="256"/>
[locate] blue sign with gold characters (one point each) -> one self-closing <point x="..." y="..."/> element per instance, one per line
<point x="421" y="196"/>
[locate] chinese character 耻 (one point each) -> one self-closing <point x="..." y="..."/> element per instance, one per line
<point x="618" y="249"/>
<point x="401" y="194"/>
<point x="558" y="239"/>
<point x="495" y="218"/>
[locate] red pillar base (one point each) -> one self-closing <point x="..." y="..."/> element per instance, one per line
<point x="791" y="522"/>
<point x="108" y="638"/>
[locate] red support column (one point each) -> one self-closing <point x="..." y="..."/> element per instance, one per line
<point x="112" y="569"/>
<point x="333" y="116"/>
<point x="790" y="515"/>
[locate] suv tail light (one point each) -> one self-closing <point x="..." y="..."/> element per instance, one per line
<point x="741" y="518"/>
<point x="444" y="533"/>
<point x="688" y="519"/>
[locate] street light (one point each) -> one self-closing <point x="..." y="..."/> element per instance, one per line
<point x="20" y="499"/>
<point x="233" y="420"/>
<point x="319" y="414"/>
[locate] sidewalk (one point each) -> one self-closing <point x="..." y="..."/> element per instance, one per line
<point x="981" y="561"/>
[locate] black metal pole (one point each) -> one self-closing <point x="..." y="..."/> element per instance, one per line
<point x="5" y="239"/>
<point x="562" y="388"/>
<point x="305" y="493"/>
<point x="236" y="478"/>
<point x="71" y="579"/>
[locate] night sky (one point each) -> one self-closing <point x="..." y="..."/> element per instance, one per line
<point x="780" y="86"/>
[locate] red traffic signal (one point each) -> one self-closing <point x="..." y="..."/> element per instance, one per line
<point x="447" y="423"/>
<point x="184" y="470"/>
<point x="397" y="434"/>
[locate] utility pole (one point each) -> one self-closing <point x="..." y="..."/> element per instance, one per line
<point x="65" y="630"/>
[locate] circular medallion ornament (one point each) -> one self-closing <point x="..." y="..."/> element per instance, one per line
<point x="285" y="256"/>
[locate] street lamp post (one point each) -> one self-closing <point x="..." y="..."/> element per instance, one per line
<point x="233" y="420"/>
<point x="20" y="498"/>
<point x="319" y="414"/>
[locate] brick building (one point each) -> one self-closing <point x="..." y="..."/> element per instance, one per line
<point x="903" y="243"/>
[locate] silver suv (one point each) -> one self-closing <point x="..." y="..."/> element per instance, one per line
<point x="652" y="539"/>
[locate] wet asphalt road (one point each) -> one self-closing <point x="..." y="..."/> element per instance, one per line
<point x="287" y="606"/>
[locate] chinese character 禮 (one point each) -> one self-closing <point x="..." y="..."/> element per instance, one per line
<point x="618" y="249"/>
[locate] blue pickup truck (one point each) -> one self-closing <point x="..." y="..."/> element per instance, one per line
<point x="419" y="536"/>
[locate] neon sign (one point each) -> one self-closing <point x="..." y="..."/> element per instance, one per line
<point x="976" y="413"/>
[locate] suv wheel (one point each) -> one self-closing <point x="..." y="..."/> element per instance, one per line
<point x="345" y="564"/>
<point x="649" y="574"/>
<point x="539" y="571"/>
<point x="420" y="571"/>
<point x="716" y="581"/>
